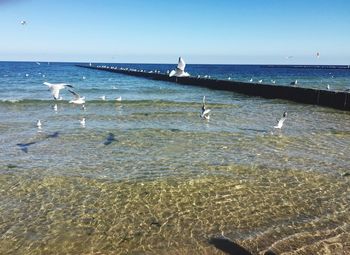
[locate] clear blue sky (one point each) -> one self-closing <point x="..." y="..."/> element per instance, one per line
<point x="216" y="31"/>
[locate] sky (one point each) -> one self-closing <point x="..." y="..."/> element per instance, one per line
<point x="159" y="31"/>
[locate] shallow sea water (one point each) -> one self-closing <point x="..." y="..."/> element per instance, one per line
<point x="148" y="176"/>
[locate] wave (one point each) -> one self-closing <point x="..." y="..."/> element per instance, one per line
<point x="135" y="102"/>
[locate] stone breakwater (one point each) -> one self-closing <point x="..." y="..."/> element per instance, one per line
<point x="334" y="99"/>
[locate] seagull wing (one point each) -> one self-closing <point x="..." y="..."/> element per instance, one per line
<point x="172" y="73"/>
<point x="48" y="84"/>
<point x="58" y="84"/>
<point x="205" y="112"/>
<point x="76" y="95"/>
<point x="181" y="65"/>
<point x="280" y="123"/>
<point x="62" y="85"/>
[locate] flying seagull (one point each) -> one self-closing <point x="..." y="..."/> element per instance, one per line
<point x="180" y="69"/>
<point x="23" y="22"/>
<point x="205" y="111"/>
<point x="280" y="122"/>
<point x="55" y="89"/>
<point x="77" y="98"/>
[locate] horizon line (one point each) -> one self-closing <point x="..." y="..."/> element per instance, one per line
<point x="163" y="63"/>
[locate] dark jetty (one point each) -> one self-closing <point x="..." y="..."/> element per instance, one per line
<point x="334" y="99"/>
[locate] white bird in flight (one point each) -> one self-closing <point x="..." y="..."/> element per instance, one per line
<point x="23" y="22"/>
<point x="56" y="87"/>
<point x="281" y="121"/>
<point x="205" y="111"/>
<point x="180" y="69"/>
<point x="79" y="100"/>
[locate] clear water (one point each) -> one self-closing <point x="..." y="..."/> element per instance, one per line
<point x="169" y="181"/>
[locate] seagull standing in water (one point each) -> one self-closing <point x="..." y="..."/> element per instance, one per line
<point x="82" y="122"/>
<point x="205" y="111"/>
<point x="38" y="124"/>
<point x="281" y="121"/>
<point x="77" y="99"/>
<point x="180" y="69"/>
<point x="55" y="89"/>
<point x="294" y="82"/>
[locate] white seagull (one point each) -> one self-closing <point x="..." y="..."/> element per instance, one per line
<point x="205" y="111"/>
<point x="77" y="99"/>
<point x="82" y="122"/>
<point x="103" y="98"/>
<point x="280" y="122"/>
<point x="23" y="22"/>
<point x="56" y="87"/>
<point x="294" y="82"/>
<point x="118" y="99"/>
<point x="38" y="124"/>
<point x="54" y="107"/>
<point x="180" y="69"/>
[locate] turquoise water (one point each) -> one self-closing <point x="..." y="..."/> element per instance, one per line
<point x="148" y="175"/>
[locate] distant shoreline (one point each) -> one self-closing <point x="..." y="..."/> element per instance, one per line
<point x="309" y="66"/>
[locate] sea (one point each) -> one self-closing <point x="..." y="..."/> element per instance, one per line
<point x="147" y="175"/>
